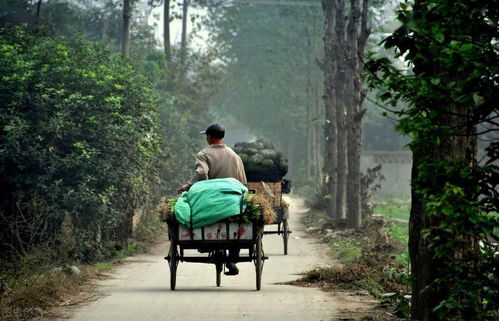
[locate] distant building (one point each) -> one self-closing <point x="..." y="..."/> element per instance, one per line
<point x="395" y="167"/>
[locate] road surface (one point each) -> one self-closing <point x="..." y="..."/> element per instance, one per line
<point x="139" y="290"/>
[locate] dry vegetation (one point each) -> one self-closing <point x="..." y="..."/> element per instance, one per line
<point x="368" y="262"/>
<point x="36" y="282"/>
<point x="28" y="296"/>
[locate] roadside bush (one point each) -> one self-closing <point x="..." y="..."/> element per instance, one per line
<point x="77" y="130"/>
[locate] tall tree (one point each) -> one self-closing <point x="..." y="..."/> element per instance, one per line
<point x="125" y="32"/>
<point x="357" y="33"/>
<point x="344" y="46"/>
<point x="451" y="92"/>
<point x="330" y="70"/>
<point x="38" y="8"/>
<point x="183" y="41"/>
<point x="166" y="32"/>
<point x="309" y="92"/>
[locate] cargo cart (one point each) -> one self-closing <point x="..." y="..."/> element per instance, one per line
<point x="216" y="240"/>
<point x="273" y="191"/>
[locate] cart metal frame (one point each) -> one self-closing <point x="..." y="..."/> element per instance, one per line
<point x="217" y="252"/>
<point x="282" y="216"/>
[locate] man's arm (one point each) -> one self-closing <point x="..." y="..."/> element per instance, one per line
<point x="201" y="172"/>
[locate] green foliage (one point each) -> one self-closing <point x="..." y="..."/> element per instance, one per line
<point x="172" y="202"/>
<point x="78" y="131"/>
<point x="399" y="232"/>
<point x="180" y="140"/>
<point x="13" y="6"/>
<point x="472" y="275"/>
<point x="451" y="93"/>
<point x="253" y="210"/>
<point x="92" y="137"/>
<point x="371" y="285"/>
<point x="103" y="266"/>
<point x="393" y="210"/>
<point x="398" y="209"/>
<point x="347" y="251"/>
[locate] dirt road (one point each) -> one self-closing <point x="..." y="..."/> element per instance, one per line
<point x="139" y="290"/>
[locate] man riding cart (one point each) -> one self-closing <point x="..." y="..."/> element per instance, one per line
<point x="218" y="161"/>
<point x="216" y="214"/>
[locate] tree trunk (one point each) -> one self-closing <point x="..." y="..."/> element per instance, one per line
<point x="317" y="130"/>
<point x="315" y="134"/>
<point x="316" y="127"/>
<point x="458" y="144"/>
<point x="308" y="157"/>
<point x="308" y="160"/>
<point x="340" y="102"/>
<point x="354" y="213"/>
<point x="183" y="42"/>
<point x="420" y="259"/>
<point x="341" y="158"/>
<point x="330" y="130"/>
<point x="166" y="32"/>
<point x="354" y="118"/>
<point x="125" y="34"/>
<point x="38" y="7"/>
<point x="425" y="267"/>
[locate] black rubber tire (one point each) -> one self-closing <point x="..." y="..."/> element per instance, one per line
<point x="285" y="235"/>
<point x="173" y="262"/>
<point x="259" y="262"/>
<point x="219" y="268"/>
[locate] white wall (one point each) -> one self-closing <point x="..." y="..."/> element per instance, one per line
<point x="395" y="167"/>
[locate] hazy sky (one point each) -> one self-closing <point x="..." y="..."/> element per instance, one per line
<point x="176" y="28"/>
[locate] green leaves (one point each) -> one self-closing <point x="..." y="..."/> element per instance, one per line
<point x="438" y="34"/>
<point x="478" y="99"/>
<point x="450" y="90"/>
<point x="78" y="130"/>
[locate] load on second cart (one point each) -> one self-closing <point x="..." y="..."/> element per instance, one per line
<point x="265" y="170"/>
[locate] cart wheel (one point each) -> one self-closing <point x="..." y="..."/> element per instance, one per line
<point x="173" y="262"/>
<point x="259" y="262"/>
<point x="219" y="267"/>
<point x="285" y="235"/>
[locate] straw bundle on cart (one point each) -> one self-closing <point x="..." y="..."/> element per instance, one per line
<point x="166" y="209"/>
<point x="260" y="206"/>
<point x="256" y="206"/>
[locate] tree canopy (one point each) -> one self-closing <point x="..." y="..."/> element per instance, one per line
<point x="451" y="93"/>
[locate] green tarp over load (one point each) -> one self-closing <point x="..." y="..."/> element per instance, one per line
<point x="214" y="200"/>
<point x="210" y="201"/>
<point x="262" y="162"/>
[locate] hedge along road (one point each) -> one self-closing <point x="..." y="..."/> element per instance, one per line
<point x="139" y="290"/>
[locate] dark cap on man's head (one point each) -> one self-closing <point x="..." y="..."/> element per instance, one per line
<point x="215" y="131"/>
